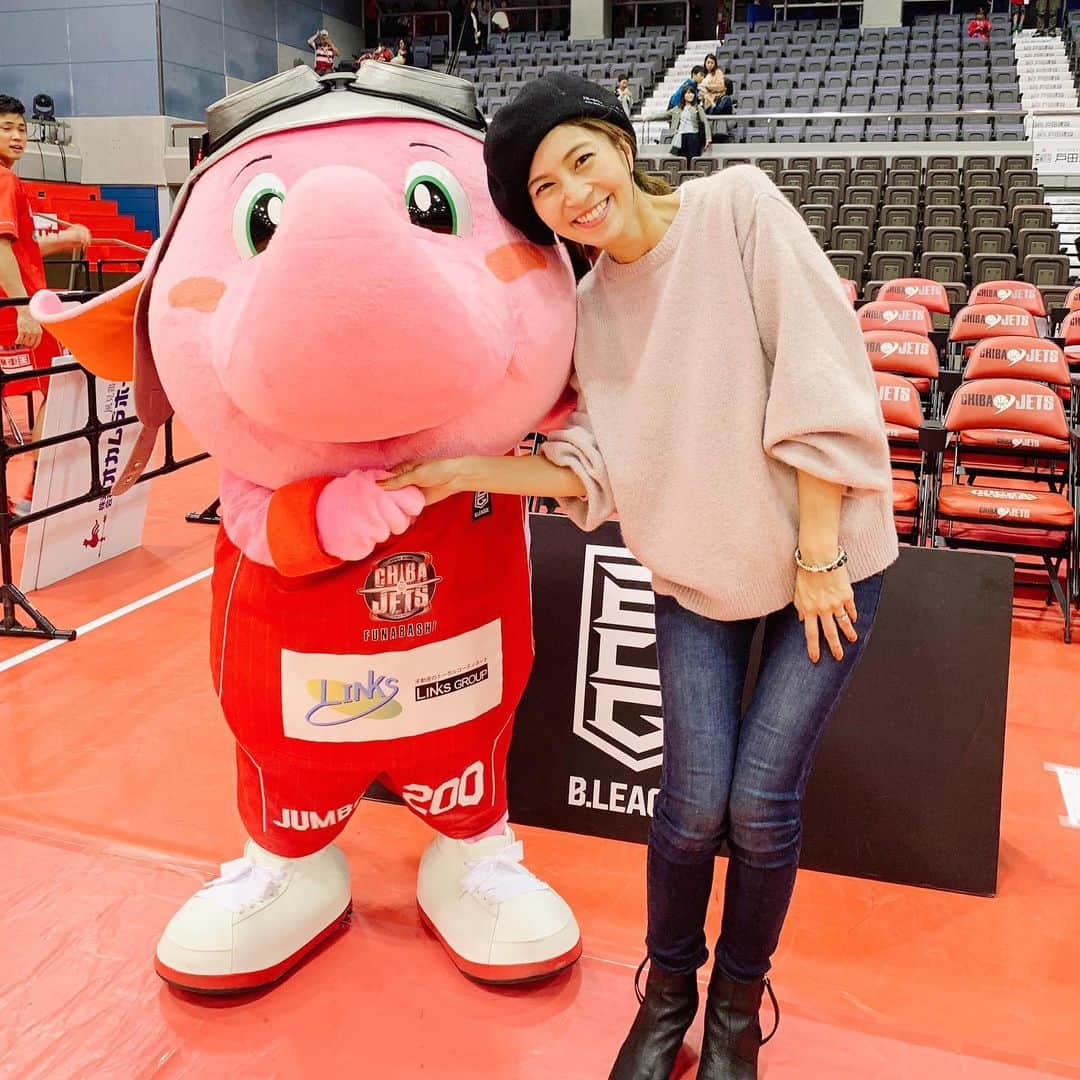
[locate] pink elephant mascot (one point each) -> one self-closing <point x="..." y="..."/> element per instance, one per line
<point x="336" y="295"/>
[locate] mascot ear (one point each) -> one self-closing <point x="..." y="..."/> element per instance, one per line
<point x="100" y="334"/>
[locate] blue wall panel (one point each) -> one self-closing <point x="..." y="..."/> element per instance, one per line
<point x="192" y="41"/>
<point x="113" y="33"/>
<point x="248" y="56"/>
<point x="25" y="80"/>
<point x="189" y="90"/>
<point x="207" y="9"/>
<point x="127" y="89"/>
<point x="38" y="37"/>
<point x="257" y="16"/>
<point x="100" y="57"/>
<point x="297" y="22"/>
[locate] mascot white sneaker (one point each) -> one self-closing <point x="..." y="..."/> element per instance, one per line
<point x="257" y="920"/>
<point x="336" y="295"/>
<point x="498" y="922"/>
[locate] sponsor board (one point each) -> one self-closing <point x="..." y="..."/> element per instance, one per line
<point x="57" y="547"/>
<point x="900" y="747"/>
<point x="342" y="698"/>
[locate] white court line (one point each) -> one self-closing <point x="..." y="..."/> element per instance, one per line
<point x="104" y="620"/>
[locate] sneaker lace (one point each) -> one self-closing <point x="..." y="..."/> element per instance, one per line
<point x="242" y="884"/>
<point x="501" y="876"/>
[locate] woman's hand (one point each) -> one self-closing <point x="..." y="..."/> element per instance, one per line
<point x="829" y="599"/>
<point x="438" y="480"/>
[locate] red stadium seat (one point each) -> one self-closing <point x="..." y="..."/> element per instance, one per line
<point x="901" y="408"/>
<point x="930" y="294"/>
<point x="1025" y="505"/>
<point x="1016" y="293"/>
<point x="895" y="315"/>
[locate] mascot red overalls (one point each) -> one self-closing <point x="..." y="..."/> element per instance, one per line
<point x="335" y="295"/>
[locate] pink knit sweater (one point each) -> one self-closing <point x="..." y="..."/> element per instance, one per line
<point x="702" y="393"/>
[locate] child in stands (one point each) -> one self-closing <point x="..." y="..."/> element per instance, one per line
<point x="689" y="127"/>
<point x="326" y="52"/>
<point x="978" y="29"/>
<point x="741" y="444"/>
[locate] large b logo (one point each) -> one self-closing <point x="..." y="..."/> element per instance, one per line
<point x="617" y="696"/>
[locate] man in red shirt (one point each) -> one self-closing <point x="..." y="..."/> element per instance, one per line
<point x="22" y="271"/>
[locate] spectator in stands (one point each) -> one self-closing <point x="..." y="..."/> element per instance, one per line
<point x="500" y="20"/>
<point x="1046" y="18"/>
<point x="715" y="89"/>
<point x="697" y="77"/>
<point x="472" y="28"/>
<point x="22" y="270"/>
<point x="326" y="52"/>
<point x="624" y="94"/>
<point x="978" y="29"/>
<point x="688" y="126"/>
<point x="1018" y="10"/>
<point x="371" y="18"/>
<point x="378" y="52"/>
<point x="403" y="55"/>
<point x="741" y="443"/>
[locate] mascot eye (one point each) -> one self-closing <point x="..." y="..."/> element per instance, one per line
<point x="436" y="199"/>
<point x="257" y="214"/>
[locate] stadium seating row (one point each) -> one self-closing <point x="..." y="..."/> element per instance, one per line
<point x="958" y="221"/>
<point x="982" y="423"/>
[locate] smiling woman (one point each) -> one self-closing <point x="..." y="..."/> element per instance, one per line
<point x="742" y="444"/>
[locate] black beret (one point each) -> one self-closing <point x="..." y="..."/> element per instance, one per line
<point x="518" y="128"/>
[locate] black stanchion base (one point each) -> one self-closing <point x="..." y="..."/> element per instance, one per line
<point x="13" y="599"/>
<point x="209" y="516"/>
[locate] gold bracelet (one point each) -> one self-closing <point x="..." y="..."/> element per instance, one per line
<point x="821" y="568"/>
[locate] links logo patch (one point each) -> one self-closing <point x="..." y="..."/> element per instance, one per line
<point x="617" y="695"/>
<point x="343" y="702"/>
<point x="400" y="587"/>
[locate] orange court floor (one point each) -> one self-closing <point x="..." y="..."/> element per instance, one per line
<point x="116" y="802"/>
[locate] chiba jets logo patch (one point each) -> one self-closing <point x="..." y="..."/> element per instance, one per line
<point x="400" y="587"/>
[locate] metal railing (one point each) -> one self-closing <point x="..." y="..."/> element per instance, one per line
<point x="806" y="5"/>
<point x="12" y="600"/>
<point x="409" y="19"/>
<point x="773" y="119"/>
<point x="512" y="12"/>
<point x="188" y="124"/>
<point x="683" y="5"/>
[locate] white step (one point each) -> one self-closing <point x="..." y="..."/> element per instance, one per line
<point x="1046" y="80"/>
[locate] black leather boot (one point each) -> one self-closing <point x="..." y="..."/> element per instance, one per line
<point x="668" y="1007"/>
<point x="729" y="1050"/>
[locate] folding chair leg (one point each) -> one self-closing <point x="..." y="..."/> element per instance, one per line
<point x="1059" y="595"/>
